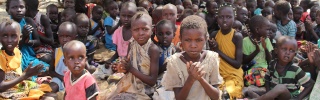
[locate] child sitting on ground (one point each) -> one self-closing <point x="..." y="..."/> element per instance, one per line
<point x="44" y="51"/>
<point x="286" y="26"/>
<point x="242" y="16"/>
<point x="193" y="74"/>
<point x="30" y="37"/>
<point x="257" y="48"/>
<point x="228" y="44"/>
<point x="297" y="13"/>
<point x="169" y="12"/>
<point x="111" y="23"/>
<point x="52" y="13"/>
<point x="96" y="21"/>
<point x="13" y="80"/>
<point x="282" y="70"/>
<point x="211" y="19"/>
<point x="141" y="63"/>
<point x="67" y="32"/>
<point x="122" y="35"/>
<point x="165" y="32"/>
<point x="82" y="23"/>
<point x="313" y="32"/>
<point x="79" y="83"/>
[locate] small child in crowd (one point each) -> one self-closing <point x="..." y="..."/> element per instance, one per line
<point x="79" y="83"/>
<point x="260" y="6"/>
<point x="52" y="13"/>
<point x="228" y="44"/>
<point x="297" y="14"/>
<point x="193" y="73"/>
<point x="96" y="22"/>
<point x="211" y="15"/>
<point x="180" y="10"/>
<point x="312" y="26"/>
<point x="242" y="16"/>
<point x="187" y="4"/>
<point x="14" y="82"/>
<point x="111" y="23"/>
<point x="123" y="35"/>
<point x="266" y="11"/>
<point x="286" y="26"/>
<point x="257" y="48"/>
<point x="83" y="26"/>
<point x="165" y="31"/>
<point x="141" y="63"/>
<point x="67" y="15"/>
<point x="283" y="71"/>
<point x="44" y="51"/>
<point x="169" y="12"/>
<point x="67" y="32"/>
<point x="30" y="37"/>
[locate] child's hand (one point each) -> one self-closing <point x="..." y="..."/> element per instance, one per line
<point x="27" y="29"/>
<point x="108" y="64"/>
<point x="125" y="64"/>
<point x="263" y="42"/>
<point x="213" y="44"/>
<point x="310" y="52"/>
<point x="316" y="58"/>
<point x="195" y="70"/>
<point x="31" y="71"/>
<point x="308" y="24"/>
<point x="100" y="24"/>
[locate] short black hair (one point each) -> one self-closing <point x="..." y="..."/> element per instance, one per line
<point x="80" y="16"/>
<point x="257" y="21"/>
<point x="127" y="4"/>
<point x="71" y="43"/>
<point x="282" y="39"/>
<point x="139" y="14"/>
<point x="96" y="8"/>
<point x="107" y="3"/>
<point x="142" y="9"/>
<point x="51" y="5"/>
<point x="32" y="4"/>
<point x="8" y="22"/>
<point x="165" y="22"/>
<point x="141" y="1"/>
<point x="74" y="27"/>
<point x="209" y="2"/>
<point x="297" y="8"/>
<point x="193" y="22"/>
<point x="283" y="6"/>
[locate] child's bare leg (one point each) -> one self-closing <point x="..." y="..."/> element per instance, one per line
<point x="280" y="92"/>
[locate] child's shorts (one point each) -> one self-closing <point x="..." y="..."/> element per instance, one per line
<point x="58" y="82"/>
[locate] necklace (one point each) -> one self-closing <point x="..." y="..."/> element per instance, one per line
<point x="74" y="79"/>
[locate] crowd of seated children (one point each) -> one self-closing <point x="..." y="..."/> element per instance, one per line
<point x="160" y="49"/>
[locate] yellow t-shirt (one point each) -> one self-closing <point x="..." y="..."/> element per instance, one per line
<point x="11" y="63"/>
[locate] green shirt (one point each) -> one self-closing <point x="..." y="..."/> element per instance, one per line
<point x="248" y="47"/>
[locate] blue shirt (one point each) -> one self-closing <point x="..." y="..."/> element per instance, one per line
<point x="258" y="11"/>
<point x="289" y="29"/>
<point x="108" y="21"/>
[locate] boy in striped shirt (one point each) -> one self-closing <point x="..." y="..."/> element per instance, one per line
<point x="283" y="71"/>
